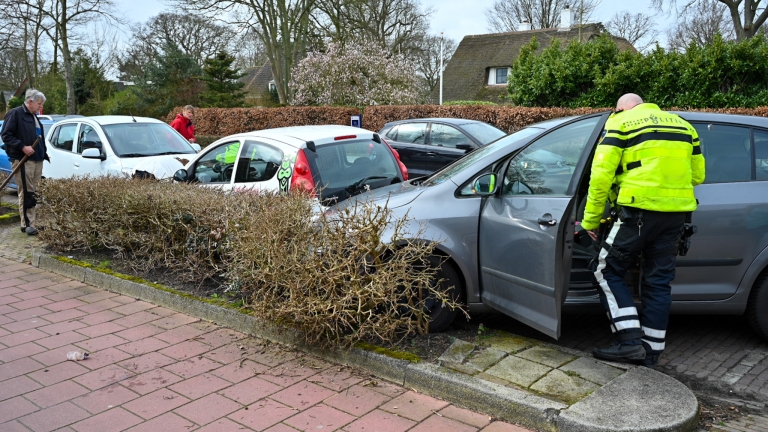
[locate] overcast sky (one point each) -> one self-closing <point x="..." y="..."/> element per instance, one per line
<point x="456" y="18"/>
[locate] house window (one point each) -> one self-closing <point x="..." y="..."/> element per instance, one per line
<point x="501" y="75"/>
<point x="272" y="86"/>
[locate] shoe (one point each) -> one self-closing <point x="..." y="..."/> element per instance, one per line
<point x="31" y="231"/>
<point x="620" y="352"/>
<point x="23" y="229"/>
<point x="650" y="361"/>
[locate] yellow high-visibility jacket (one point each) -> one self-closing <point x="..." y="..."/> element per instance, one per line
<point x="652" y="156"/>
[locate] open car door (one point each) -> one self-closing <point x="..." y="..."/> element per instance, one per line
<point x="526" y="228"/>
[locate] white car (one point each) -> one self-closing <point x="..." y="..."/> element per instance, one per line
<point x="339" y="161"/>
<point x="116" y="145"/>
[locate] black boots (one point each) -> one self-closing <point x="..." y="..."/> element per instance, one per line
<point x="620" y="352"/>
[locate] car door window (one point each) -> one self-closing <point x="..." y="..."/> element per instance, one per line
<point x="546" y="166"/>
<point x="727" y="152"/>
<point x="258" y="162"/>
<point x="412" y="133"/>
<point x="88" y="138"/>
<point x="218" y="165"/>
<point x="447" y="136"/>
<point x="761" y="154"/>
<point x="64" y="137"/>
<point x="392" y="133"/>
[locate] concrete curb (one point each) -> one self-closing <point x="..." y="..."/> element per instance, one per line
<point x="639" y="400"/>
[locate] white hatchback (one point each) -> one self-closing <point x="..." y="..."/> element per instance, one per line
<point x="339" y="161"/>
<point x="116" y="145"/>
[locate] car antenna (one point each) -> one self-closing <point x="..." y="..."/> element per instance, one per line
<point x="134" y="118"/>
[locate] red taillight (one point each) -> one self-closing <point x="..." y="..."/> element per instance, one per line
<point x="403" y="168"/>
<point x="302" y="175"/>
<point x="343" y="137"/>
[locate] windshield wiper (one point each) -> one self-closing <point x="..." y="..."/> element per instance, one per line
<point x="169" y="153"/>
<point x="357" y="187"/>
<point x="133" y="155"/>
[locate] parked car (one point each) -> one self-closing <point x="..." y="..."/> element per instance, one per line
<point x="5" y="163"/>
<point x="512" y="242"/>
<point x="102" y="145"/>
<point x="58" y="117"/>
<point x="428" y="144"/>
<point x="339" y="161"/>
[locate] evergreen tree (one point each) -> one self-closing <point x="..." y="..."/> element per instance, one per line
<point x="170" y="80"/>
<point x="222" y="82"/>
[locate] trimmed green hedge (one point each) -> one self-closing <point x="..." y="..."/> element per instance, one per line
<point x="595" y="73"/>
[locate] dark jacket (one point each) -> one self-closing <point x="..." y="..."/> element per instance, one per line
<point x="184" y="126"/>
<point x="19" y="130"/>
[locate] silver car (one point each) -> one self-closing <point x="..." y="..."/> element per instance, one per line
<point x="506" y="220"/>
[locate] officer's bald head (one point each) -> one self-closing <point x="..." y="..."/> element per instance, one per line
<point x="628" y="101"/>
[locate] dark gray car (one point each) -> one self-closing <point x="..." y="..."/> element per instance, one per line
<point x="506" y="217"/>
<point x="427" y="144"/>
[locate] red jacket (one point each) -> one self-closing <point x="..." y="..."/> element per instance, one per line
<point x="184" y="126"/>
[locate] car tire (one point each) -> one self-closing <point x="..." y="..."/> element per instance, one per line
<point x="757" y="307"/>
<point x="440" y="315"/>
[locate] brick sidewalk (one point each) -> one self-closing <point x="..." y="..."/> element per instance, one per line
<point x="152" y="369"/>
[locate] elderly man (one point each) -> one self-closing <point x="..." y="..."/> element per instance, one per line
<point x="21" y="129"/>
<point x="652" y="159"/>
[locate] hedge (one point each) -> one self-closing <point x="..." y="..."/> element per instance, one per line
<point x="596" y="73"/>
<point x="218" y="122"/>
<point x="228" y="121"/>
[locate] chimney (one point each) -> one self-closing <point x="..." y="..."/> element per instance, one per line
<point x="567" y="18"/>
<point x="524" y="26"/>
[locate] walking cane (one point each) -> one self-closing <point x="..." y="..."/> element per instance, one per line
<point x="18" y="167"/>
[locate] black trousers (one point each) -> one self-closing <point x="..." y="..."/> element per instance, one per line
<point x="654" y="236"/>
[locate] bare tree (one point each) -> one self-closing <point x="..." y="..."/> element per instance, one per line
<point x="710" y="19"/>
<point x="250" y="51"/>
<point x="752" y="12"/>
<point x="398" y="25"/>
<point x="100" y="46"/>
<point x="282" y="25"/>
<point x="25" y="27"/>
<point x="428" y="60"/>
<point x="638" y="29"/>
<point x="506" y="15"/>
<point x="194" y="35"/>
<point x="62" y="19"/>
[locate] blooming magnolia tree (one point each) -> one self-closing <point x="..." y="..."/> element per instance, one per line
<point x="355" y="76"/>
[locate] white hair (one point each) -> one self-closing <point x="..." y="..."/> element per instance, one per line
<point x="34" y="95"/>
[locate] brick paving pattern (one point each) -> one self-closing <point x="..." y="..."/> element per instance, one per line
<point x="152" y="369"/>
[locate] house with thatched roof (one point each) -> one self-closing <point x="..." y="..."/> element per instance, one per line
<point x="258" y="82"/>
<point x="478" y="69"/>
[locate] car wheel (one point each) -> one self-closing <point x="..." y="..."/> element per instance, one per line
<point x="440" y="315"/>
<point x="757" y="307"/>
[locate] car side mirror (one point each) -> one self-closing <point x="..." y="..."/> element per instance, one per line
<point x="485" y="185"/>
<point x="196" y="146"/>
<point x="466" y="147"/>
<point x="93" y="153"/>
<point x="180" y="176"/>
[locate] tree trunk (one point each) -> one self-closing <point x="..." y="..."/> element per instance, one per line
<point x="67" y="56"/>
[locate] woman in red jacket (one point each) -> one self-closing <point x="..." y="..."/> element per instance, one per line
<point x="183" y="123"/>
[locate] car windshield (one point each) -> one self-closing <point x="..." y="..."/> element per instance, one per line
<point x="145" y="139"/>
<point x="353" y="167"/>
<point x="483" y="132"/>
<point x="468" y="160"/>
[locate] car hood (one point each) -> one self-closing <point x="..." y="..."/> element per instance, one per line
<point x="160" y="166"/>
<point x="394" y="196"/>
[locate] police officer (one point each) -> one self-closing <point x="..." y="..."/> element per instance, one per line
<point x="648" y="161"/>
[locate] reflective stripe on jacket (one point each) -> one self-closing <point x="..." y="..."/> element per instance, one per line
<point x="652" y="156"/>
